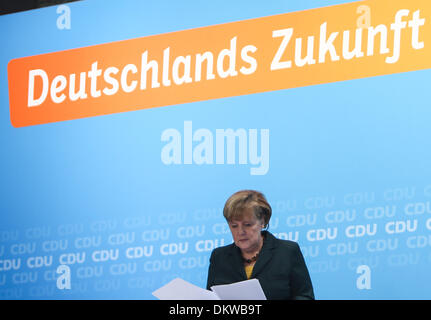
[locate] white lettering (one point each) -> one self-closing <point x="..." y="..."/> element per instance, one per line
<point x="241" y="147"/>
<point x="32" y="102"/>
<point x="287" y="35"/>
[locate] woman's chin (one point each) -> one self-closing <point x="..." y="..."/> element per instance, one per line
<point x="242" y="244"/>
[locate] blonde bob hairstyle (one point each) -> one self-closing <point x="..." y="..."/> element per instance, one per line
<point x="242" y="201"/>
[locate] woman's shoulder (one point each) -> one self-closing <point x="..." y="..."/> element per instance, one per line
<point x="282" y="243"/>
<point x="222" y="250"/>
<point x="288" y="243"/>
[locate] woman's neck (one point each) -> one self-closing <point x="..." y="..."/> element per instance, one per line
<point x="250" y="253"/>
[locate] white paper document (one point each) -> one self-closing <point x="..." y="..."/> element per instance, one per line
<point x="179" y="289"/>
<point x="243" y="290"/>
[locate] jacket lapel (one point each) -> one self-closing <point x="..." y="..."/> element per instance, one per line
<point x="266" y="254"/>
<point x="237" y="263"/>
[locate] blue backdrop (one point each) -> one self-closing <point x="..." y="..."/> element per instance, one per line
<point x="345" y="168"/>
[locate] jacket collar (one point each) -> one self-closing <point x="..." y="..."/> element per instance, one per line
<point x="269" y="243"/>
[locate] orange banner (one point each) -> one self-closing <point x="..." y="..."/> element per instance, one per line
<point x="336" y="43"/>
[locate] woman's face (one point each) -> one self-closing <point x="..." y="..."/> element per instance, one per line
<point x="246" y="232"/>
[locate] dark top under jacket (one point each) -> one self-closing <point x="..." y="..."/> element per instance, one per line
<point x="280" y="269"/>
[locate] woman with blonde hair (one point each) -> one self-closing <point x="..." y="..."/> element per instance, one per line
<point x="255" y="253"/>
